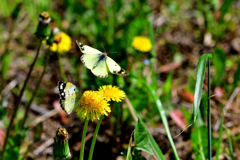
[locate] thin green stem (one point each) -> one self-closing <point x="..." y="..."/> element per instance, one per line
<point x="46" y="57"/>
<point x="19" y="101"/>
<point x="209" y="115"/>
<point x="61" y="67"/>
<point x="230" y="143"/>
<point x="220" y="136"/>
<point x="83" y="139"/>
<point x="94" y="138"/>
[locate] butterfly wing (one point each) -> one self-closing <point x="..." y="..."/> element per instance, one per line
<point x="69" y="96"/>
<point x="98" y="62"/>
<point x="100" y="70"/>
<point x="114" y="68"/>
<point x="87" y="49"/>
<point x="90" y="60"/>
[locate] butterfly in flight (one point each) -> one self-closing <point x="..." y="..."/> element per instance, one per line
<point x="69" y="96"/>
<point x="99" y="63"/>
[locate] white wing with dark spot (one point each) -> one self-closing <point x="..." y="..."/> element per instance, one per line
<point x="115" y="68"/>
<point x="87" y="49"/>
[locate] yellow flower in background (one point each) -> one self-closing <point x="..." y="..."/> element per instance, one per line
<point x="142" y="44"/>
<point x="92" y="104"/>
<point x="62" y="43"/>
<point x="112" y="93"/>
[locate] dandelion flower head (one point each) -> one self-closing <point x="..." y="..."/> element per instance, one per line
<point x="142" y="44"/>
<point x="62" y="43"/>
<point x="93" y="105"/>
<point x="112" y="93"/>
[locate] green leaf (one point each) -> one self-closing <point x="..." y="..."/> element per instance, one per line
<point x="3" y="112"/>
<point x="199" y="138"/>
<point x="141" y="137"/>
<point x="203" y="106"/>
<point x="237" y="76"/>
<point x="225" y="8"/>
<point x="199" y="83"/>
<point x="157" y="151"/>
<point x="129" y="156"/>
<point x="151" y="35"/>
<point x="12" y="153"/>
<point x="137" y="155"/>
<point x="166" y="88"/>
<point x="6" y="62"/>
<point x="219" y="63"/>
<point x="186" y="114"/>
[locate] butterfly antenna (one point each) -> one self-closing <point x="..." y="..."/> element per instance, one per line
<point x="106" y="51"/>
<point x="104" y="48"/>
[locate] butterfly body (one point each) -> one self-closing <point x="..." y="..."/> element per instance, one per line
<point x="98" y="62"/>
<point x="69" y="96"/>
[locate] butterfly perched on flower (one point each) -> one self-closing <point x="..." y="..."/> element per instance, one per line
<point x="98" y="62"/>
<point x="69" y="96"/>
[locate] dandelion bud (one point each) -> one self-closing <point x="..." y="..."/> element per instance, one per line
<point x="61" y="149"/>
<point x="44" y="17"/>
<point x="43" y="29"/>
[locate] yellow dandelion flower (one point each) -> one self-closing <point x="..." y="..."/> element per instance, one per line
<point x="112" y="93"/>
<point x="142" y="44"/>
<point x="62" y="43"/>
<point x="92" y="104"/>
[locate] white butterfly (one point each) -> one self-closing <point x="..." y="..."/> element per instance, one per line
<point x="99" y="63"/>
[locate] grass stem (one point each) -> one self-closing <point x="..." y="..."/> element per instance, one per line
<point x="19" y="101"/>
<point x="209" y="115"/>
<point x="46" y="57"/>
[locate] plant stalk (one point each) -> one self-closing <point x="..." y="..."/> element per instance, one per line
<point x="94" y="138"/>
<point x="19" y="101"/>
<point x="61" y="67"/>
<point x="209" y="115"/>
<point x="46" y="57"/>
<point x="83" y="139"/>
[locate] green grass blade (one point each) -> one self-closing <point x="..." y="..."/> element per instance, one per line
<point x="155" y="148"/>
<point x="220" y="136"/>
<point x="230" y="143"/>
<point x="201" y="141"/>
<point x="151" y="36"/>
<point x="162" y="114"/>
<point x="199" y="83"/>
<point x="129" y="157"/>
<point x="219" y="63"/>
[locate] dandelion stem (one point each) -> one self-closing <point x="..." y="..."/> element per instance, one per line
<point x="83" y="139"/>
<point x="209" y="115"/>
<point x="130" y="108"/>
<point x="46" y="57"/>
<point x="19" y="101"/>
<point x="94" y="138"/>
<point x="61" y="67"/>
